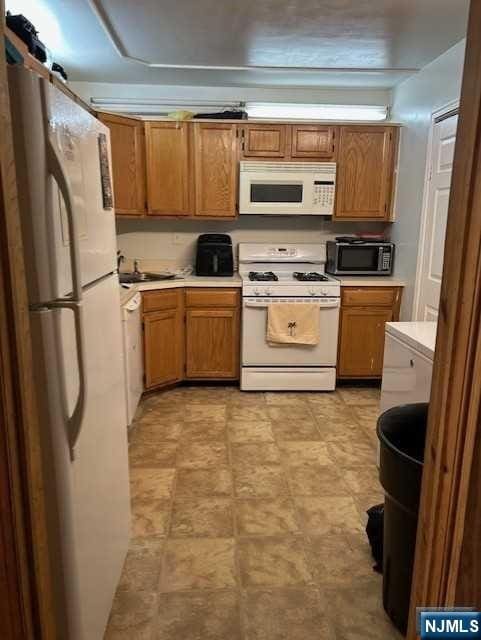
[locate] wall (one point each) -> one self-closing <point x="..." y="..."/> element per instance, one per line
<point x="175" y="240"/>
<point x="413" y="103"/>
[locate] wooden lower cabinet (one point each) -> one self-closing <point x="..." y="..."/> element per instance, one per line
<point x="364" y="313"/>
<point x="212" y="343"/>
<point x="212" y="334"/>
<point x="362" y="341"/>
<point x="199" y="343"/>
<point x="163" y="338"/>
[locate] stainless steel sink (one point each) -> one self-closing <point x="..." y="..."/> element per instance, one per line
<point x="133" y="277"/>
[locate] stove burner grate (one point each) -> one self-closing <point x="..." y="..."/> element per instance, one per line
<point x="263" y="276"/>
<point x="313" y="276"/>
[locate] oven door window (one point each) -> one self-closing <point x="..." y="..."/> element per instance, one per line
<point x="358" y="258"/>
<point x="279" y="193"/>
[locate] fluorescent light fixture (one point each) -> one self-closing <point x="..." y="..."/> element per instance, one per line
<point x="292" y="111"/>
<point x="260" y="110"/>
<point x="160" y="106"/>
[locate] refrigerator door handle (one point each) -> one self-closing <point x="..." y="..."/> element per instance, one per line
<point x="76" y="419"/>
<point x="56" y="169"/>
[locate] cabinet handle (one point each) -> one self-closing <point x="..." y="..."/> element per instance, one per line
<point x="411" y="363"/>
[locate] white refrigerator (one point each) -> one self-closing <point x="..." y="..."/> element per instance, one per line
<point x="68" y="226"/>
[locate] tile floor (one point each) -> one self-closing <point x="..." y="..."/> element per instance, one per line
<point x="248" y="518"/>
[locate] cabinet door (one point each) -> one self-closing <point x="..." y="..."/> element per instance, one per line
<point x="128" y="163"/>
<point x="212" y="344"/>
<point x="215" y="169"/>
<point x="313" y="141"/>
<point x="163" y="347"/>
<point x="365" y="172"/>
<point x="168" y="172"/>
<point x="361" y="345"/>
<point x="265" y="141"/>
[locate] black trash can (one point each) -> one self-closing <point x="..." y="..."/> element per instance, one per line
<point x="402" y="435"/>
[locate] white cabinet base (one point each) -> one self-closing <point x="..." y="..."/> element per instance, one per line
<point x="406" y="374"/>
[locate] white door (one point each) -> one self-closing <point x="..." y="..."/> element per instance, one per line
<point x="433" y="231"/>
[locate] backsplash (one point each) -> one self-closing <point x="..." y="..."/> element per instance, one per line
<point x="173" y="242"/>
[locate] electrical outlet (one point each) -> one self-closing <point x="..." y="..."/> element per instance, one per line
<point x="178" y="238"/>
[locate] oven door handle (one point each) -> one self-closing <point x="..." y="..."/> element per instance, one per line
<point x="263" y="304"/>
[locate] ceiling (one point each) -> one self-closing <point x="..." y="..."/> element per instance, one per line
<point x="298" y="43"/>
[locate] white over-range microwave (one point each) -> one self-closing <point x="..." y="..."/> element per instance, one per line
<point x="287" y="188"/>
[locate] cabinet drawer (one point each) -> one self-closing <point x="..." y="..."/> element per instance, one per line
<point x="211" y="297"/>
<point x="160" y="300"/>
<point x="368" y="296"/>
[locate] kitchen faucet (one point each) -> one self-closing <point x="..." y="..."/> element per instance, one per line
<point x="120" y="259"/>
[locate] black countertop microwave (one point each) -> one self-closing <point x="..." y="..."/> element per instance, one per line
<point x="360" y="258"/>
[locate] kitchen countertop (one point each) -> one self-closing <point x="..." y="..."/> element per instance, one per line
<point x="188" y="281"/>
<point x="419" y="335"/>
<point x="235" y="281"/>
<point x="370" y="281"/>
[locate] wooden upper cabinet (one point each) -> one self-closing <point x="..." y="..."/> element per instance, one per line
<point x="313" y="141"/>
<point x="128" y="163"/>
<point x="265" y="141"/>
<point x="216" y="169"/>
<point x="168" y="171"/>
<point x="365" y="172"/>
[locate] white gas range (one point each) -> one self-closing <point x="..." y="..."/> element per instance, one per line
<point x="277" y="273"/>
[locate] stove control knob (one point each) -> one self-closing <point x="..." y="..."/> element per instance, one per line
<point x="257" y="292"/>
<point x="268" y="292"/>
<point x="312" y="292"/>
<point x="324" y="292"/>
